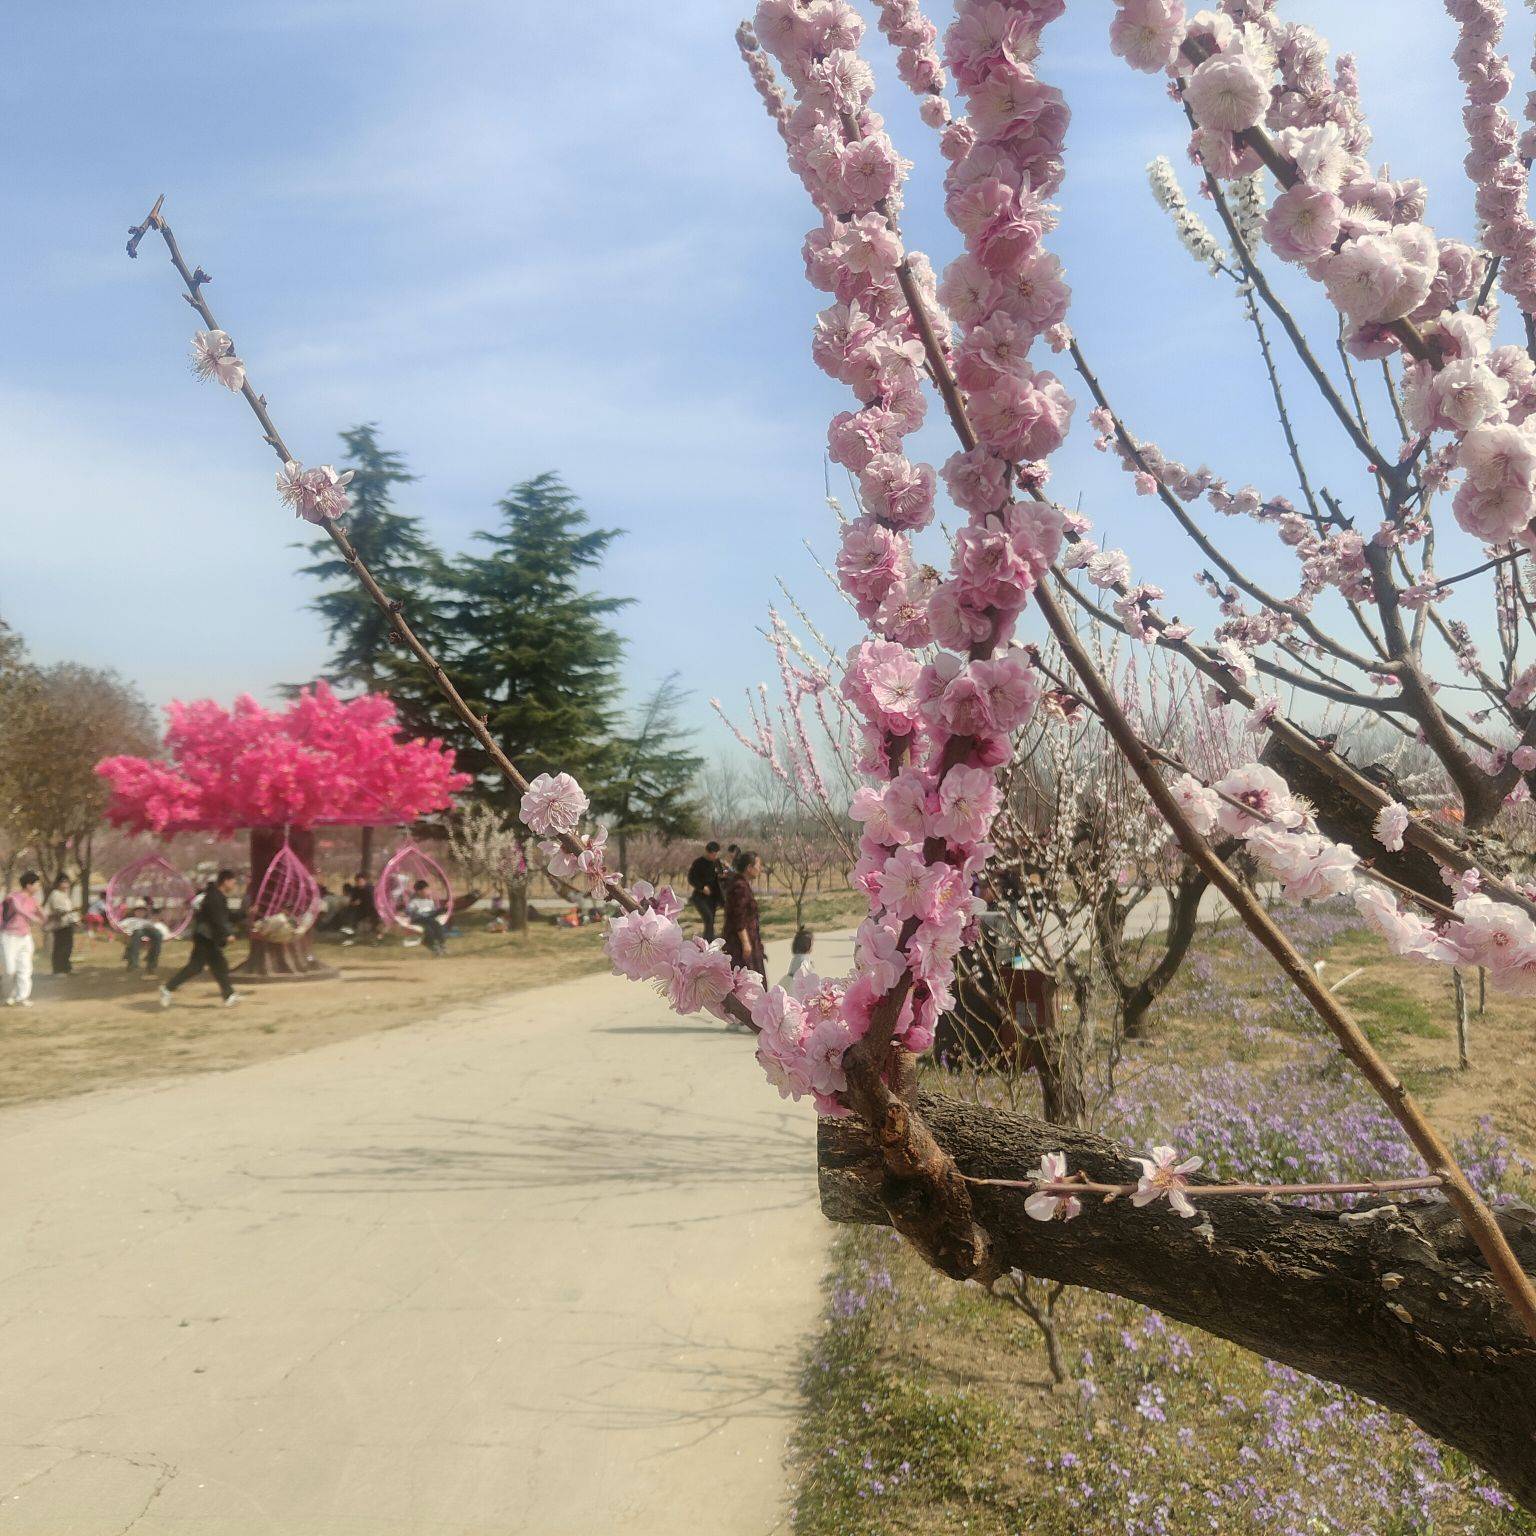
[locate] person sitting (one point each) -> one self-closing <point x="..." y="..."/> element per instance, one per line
<point x="425" y="918"/>
<point x="145" y="936"/>
<point x="361" y="910"/>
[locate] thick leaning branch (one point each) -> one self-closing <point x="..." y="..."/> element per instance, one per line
<point x="1391" y="1302"/>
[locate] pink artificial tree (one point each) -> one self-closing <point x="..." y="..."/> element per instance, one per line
<point x="322" y="761"/>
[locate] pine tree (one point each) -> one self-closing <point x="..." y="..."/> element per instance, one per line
<point x="396" y="549"/>
<point x="533" y="652"/>
<point x="652" y="787"/>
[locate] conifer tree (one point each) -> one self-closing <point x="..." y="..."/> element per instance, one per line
<point x="653" y="788"/>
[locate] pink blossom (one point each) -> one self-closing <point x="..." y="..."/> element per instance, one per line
<point x="1391" y="822"/>
<point x="643" y="945"/>
<point x="870" y="169"/>
<point x="1227" y="93"/>
<point x="1044" y="1207"/>
<point x="1498" y="496"/>
<point x="1022" y="417"/>
<point x="1404" y="933"/>
<point x="780" y="1018"/>
<point x="1457" y="397"/>
<point x="701" y="977"/>
<point x="1200" y="804"/>
<point x="1146" y="33"/>
<point x="1380" y="277"/>
<point x="1010" y="103"/>
<point x="893" y="685"/>
<point x="956" y="622"/>
<point x="968" y="800"/>
<point x="1108" y="568"/>
<point x="1009" y="688"/>
<point x="1524" y="758"/>
<point x="1303" y="222"/>
<point x="878" y="951"/>
<point x="977" y="481"/>
<point x="213" y="357"/>
<point x="907" y="884"/>
<point x="869" y="246"/>
<point x="317" y="495"/>
<point x="1262" y="796"/>
<point x="1308" y="866"/>
<point x="553" y="804"/>
<point x="1162" y="1177"/>
<point x="897" y="491"/>
<point x="983" y="35"/>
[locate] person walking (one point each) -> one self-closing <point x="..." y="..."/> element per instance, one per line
<point x="704" y="884"/>
<point x="211" y="929"/>
<point x="743" y="930"/>
<point x="19" y="915"/>
<point x="62" y="917"/>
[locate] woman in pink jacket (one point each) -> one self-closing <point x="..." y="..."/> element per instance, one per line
<point x="19" y="915"/>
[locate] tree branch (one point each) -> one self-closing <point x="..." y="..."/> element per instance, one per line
<point x="1391" y="1301"/>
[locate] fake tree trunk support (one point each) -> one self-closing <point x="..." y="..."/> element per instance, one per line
<point x="293" y="960"/>
<point x="1393" y="1302"/>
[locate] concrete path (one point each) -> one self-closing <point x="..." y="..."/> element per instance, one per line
<point x="543" y="1266"/>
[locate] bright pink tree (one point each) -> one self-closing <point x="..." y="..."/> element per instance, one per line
<point x="322" y="761"/>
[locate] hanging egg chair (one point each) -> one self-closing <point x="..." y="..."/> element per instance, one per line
<point x="154" y="882"/>
<point x="287" y="901"/>
<point x="405" y="866"/>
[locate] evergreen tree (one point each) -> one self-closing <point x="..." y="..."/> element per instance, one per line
<point x="652" y="787"/>
<point x="534" y="654"/>
<point x="397" y="550"/>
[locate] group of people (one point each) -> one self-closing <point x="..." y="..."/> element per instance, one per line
<point x="727" y="886"/>
<point x="26" y="915"/>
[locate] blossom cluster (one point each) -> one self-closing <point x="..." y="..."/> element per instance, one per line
<point x="1278" y="829"/>
<point x="1362" y="235"/>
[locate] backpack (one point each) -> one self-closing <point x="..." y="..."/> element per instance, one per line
<point x="7" y="911"/>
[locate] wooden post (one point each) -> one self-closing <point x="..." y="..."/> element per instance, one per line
<point x="1463" y="1059"/>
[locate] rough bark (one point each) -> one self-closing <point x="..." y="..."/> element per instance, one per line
<point x="1393" y="1302"/>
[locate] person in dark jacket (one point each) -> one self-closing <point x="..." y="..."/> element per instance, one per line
<point x="743" y="931"/>
<point x="211" y="928"/>
<point x="704" y="886"/>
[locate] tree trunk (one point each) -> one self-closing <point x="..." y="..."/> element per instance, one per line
<point x="294" y="960"/>
<point x="1183" y="923"/>
<point x="1393" y="1302"/>
<point x="365" y="852"/>
<point x="517" y="906"/>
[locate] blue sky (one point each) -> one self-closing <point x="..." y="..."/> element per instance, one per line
<point x="523" y="238"/>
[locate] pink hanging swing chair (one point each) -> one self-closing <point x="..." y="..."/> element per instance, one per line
<point x="154" y="882"/>
<point x="287" y="901"/>
<point x="396" y="885"/>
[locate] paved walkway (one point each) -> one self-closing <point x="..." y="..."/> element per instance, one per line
<point x="543" y="1266"/>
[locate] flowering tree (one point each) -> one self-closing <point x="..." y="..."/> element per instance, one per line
<point x="322" y="761"/>
<point x="1426" y="1304"/>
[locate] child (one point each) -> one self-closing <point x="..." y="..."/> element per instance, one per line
<point x="800" y="950"/>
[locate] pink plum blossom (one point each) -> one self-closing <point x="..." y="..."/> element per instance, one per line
<point x="213" y="357"/>
<point x="553" y="804"/>
<point x="1227" y="93"/>
<point x="1380" y="277"/>
<point x="317" y="495"/>
<point x="643" y="945"/>
<point x="1262" y="796"/>
<point x="1047" y="1207"/>
<point x="1498" y="497"/>
<point x="1146" y="33"/>
<point x="1162" y="1178"/>
<point x="1391" y="823"/>
<point x="1303" y="222"/>
<point x="968" y="800"/>
<point x="1200" y="804"/>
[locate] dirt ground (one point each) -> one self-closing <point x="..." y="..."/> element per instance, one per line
<point x="104" y="1025"/>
